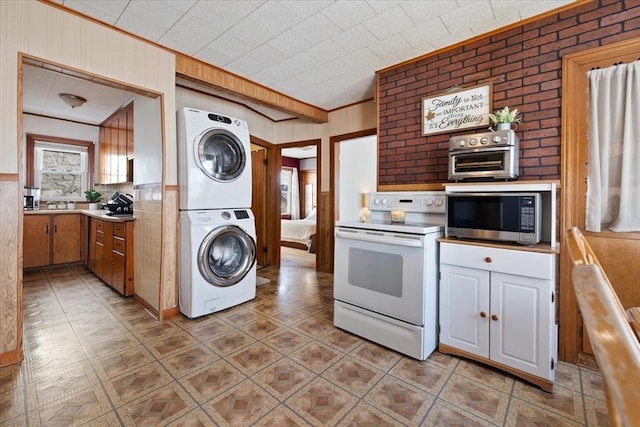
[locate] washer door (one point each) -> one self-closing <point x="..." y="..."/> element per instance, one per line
<point x="226" y="255"/>
<point x="220" y="155"/>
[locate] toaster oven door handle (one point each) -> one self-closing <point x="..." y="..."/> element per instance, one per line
<point x="379" y="237"/>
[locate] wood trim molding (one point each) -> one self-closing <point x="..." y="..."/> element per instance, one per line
<point x="169" y="313"/>
<point x="574" y="158"/>
<point x="10" y="177"/>
<point x="412" y="187"/>
<point x="12" y="357"/>
<point x="200" y="72"/>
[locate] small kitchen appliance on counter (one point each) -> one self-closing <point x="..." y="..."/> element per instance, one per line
<point x="486" y="156"/>
<point x="31" y="200"/>
<point x="119" y="204"/>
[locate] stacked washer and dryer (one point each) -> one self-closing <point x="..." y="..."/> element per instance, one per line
<point x="217" y="235"/>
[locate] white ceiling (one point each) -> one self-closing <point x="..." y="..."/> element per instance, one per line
<point x="321" y="52"/>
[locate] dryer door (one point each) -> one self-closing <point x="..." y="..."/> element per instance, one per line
<point x="220" y="155"/>
<point x="226" y="255"/>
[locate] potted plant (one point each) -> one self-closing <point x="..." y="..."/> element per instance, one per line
<point x="93" y="197"/>
<point x="503" y="119"/>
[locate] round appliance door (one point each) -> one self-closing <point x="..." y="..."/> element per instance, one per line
<point x="220" y="155"/>
<point x="226" y="255"/>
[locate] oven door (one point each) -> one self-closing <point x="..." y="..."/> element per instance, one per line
<point x="381" y="271"/>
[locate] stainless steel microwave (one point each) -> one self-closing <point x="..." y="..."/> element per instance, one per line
<point x="506" y="217"/>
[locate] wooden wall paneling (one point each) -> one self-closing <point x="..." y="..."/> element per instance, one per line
<point x="573" y="178"/>
<point x="326" y="220"/>
<point x="11" y="264"/>
<point x="258" y="200"/>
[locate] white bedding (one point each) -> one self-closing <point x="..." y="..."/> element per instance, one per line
<point x="297" y="231"/>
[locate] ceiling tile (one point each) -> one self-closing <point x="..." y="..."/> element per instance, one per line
<point x="160" y="13"/>
<point x="136" y="25"/>
<point x="355" y="38"/>
<point x="255" y="61"/>
<point x="304" y="9"/>
<point x="420" y="11"/>
<point x="196" y="29"/>
<point x="290" y="43"/>
<point x="317" y="28"/>
<point x="388" y="23"/>
<point x="103" y="10"/>
<point x="346" y="14"/>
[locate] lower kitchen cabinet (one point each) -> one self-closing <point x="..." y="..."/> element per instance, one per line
<point x="50" y="239"/>
<point x="111" y="253"/>
<point x="497" y="306"/>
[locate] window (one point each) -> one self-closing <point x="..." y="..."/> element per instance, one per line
<point x="285" y="191"/>
<point x="62" y="168"/>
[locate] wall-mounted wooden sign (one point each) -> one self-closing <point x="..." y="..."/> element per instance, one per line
<point x="453" y="111"/>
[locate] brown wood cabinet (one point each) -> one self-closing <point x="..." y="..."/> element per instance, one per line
<point x="116" y="147"/>
<point x="52" y="239"/>
<point x="111" y="253"/>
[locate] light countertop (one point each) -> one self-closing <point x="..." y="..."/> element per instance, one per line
<point x="97" y="213"/>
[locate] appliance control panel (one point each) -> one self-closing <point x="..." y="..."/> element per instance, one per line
<point x="501" y="138"/>
<point x="414" y="201"/>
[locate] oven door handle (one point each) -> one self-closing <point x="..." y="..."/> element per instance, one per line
<point x="387" y="239"/>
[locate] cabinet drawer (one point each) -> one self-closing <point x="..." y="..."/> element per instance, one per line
<point x="100" y="237"/>
<point x="119" y="229"/>
<point x="118" y="244"/>
<point x="99" y="225"/>
<point x="509" y="261"/>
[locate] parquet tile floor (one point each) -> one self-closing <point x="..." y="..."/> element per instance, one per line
<point x="95" y="358"/>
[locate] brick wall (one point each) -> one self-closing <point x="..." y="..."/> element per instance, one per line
<point x="524" y="65"/>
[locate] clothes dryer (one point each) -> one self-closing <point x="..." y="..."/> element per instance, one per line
<point x="214" y="161"/>
<point x="217" y="266"/>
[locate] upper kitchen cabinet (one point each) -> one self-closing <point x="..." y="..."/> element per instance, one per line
<point x="116" y="147"/>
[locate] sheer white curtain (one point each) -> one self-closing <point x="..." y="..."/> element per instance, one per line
<point x="613" y="177"/>
<point x="295" y="194"/>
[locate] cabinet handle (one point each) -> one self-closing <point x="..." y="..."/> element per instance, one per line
<point x="46" y="229"/>
<point x="55" y="228"/>
<point x="494" y="317"/>
<point x="488" y="259"/>
<point x="483" y="314"/>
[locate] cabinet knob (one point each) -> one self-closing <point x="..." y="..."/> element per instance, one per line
<point x="483" y="314"/>
<point x="487" y="259"/>
<point x="494" y="317"/>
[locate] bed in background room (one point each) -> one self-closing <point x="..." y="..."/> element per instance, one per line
<point x="299" y="233"/>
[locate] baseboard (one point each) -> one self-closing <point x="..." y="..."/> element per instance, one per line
<point x="11" y="358"/>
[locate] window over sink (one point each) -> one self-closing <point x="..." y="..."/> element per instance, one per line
<point x="61" y="167"/>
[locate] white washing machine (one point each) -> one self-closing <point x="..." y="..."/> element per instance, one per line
<point x="217" y="260"/>
<point x="214" y="161"/>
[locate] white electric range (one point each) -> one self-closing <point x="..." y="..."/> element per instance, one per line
<point x="385" y="276"/>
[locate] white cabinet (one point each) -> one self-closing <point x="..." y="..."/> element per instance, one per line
<point x="498" y="306"/>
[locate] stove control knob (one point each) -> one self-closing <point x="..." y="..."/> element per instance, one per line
<point x="473" y="142"/>
<point x="496" y="139"/>
<point x="384" y="202"/>
<point x="461" y="143"/>
<point x="439" y="201"/>
<point x="429" y="201"/>
<point x="484" y="140"/>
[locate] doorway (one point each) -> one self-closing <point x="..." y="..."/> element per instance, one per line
<point x="298" y="200"/>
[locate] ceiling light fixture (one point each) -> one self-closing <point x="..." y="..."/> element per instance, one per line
<point x="72" y="101"/>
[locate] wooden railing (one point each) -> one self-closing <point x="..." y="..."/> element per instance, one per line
<point x="611" y="331"/>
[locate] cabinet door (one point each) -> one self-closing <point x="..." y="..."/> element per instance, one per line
<point x="118" y="272"/>
<point x="522" y="325"/>
<point x="464" y="308"/>
<point x="67" y="244"/>
<point x="36" y="240"/>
